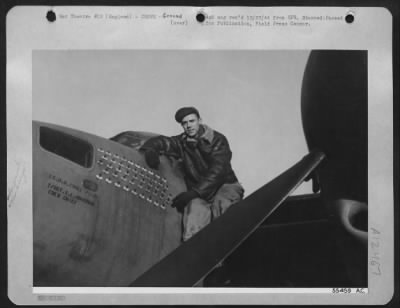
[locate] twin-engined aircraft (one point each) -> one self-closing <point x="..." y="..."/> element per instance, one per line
<point x="102" y="217"/>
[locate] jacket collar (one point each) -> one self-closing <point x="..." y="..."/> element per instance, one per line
<point x="208" y="134"/>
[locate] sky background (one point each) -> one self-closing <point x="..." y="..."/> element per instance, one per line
<point x="252" y="97"/>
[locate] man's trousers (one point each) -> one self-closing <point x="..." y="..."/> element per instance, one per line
<point x="199" y="213"/>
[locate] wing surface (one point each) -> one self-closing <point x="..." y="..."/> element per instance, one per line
<point x="194" y="259"/>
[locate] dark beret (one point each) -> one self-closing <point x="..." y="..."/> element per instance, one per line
<point x="183" y="112"/>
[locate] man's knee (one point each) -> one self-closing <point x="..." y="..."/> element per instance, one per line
<point x="197" y="204"/>
<point x="227" y="195"/>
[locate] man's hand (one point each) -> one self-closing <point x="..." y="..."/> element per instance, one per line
<point x="152" y="158"/>
<point x="182" y="200"/>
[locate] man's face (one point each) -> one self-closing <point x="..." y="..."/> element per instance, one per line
<point x="191" y="125"/>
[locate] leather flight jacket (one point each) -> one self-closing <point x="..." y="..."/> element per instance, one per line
<point x="206" y="160"/>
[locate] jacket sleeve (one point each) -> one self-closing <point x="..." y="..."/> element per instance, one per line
<point x="163" y="145"/>
<point x="219" y="164"/>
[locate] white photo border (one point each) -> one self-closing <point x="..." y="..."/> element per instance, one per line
<point x="28" y="30"/>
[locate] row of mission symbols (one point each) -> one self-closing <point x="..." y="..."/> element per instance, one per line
<point x="145" y="179"/>
<point x="127" y="167"/>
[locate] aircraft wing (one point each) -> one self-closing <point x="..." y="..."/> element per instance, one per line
<point x="194" y="259"/>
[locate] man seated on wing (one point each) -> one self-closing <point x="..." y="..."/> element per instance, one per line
<point x="206" y="157"/>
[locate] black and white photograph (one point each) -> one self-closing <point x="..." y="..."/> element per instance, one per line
<point x="156" y="145"/>
<point x="200" y="170"/>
